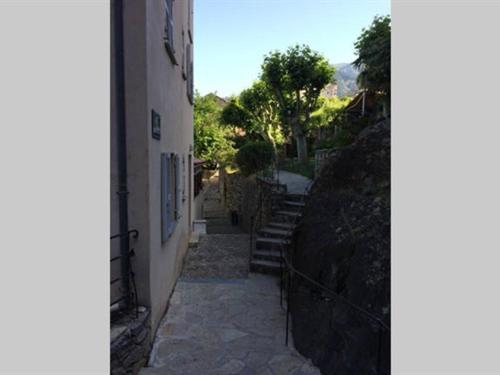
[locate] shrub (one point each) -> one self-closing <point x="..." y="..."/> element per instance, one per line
<point x="254" y="157"/>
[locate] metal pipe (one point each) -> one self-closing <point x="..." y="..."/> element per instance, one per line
<point x="122" y="146"/>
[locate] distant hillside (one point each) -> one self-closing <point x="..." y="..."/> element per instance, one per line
<point x="346" y="75"/>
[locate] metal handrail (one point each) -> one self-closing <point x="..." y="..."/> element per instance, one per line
<point x="292" y="269"/>
<point x="135" y="232"/>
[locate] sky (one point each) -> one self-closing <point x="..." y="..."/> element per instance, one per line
<point x="231" y="37"/>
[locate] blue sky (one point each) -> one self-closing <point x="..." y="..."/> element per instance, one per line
<point x="232" y="36"/>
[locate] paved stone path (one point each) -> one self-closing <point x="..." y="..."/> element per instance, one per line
<point x="218" y="256"/>
<point x="231" y="326"/>
<point x="222" y="319"/>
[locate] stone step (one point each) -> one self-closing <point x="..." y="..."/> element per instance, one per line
<point x="294" y="197"/>
<point x="272" y="255"/>
<point x="273" y="232"/>
<point x="292" y="214"/>
<point x="262" y="243"/>
<point x="265" y="266"/>
<point x="280" y="225"/>
<point x="294" y="203"/>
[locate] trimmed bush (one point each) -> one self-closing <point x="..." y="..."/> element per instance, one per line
<point x="254" y="157"/>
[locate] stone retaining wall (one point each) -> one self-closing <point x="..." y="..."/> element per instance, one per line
<point x="130" y="343"/>
<point x="242" y="194"/>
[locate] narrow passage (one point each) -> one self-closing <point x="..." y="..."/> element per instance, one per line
<point x="223" y="319"/>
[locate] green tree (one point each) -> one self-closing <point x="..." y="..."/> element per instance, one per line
<point x="296" y="79"/>
<point x="255" y="111"/>
<point x="211" y="140"/>
<point x="329" y="111"/>
<point x="373" y="48"/>
<point x="254" y="157"/>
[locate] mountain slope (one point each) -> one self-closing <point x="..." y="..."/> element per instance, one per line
<point x="346" y="75"/>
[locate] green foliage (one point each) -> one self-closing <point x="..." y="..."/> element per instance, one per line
<point x="296" y="79"/>
<point x="211" y="141"/>
<point x="329" y="111"/>
<point x="254" y="157"/>
<point x="256" y="112"/>
<point x="293" y="166"/>
<point x="373" y="49"/>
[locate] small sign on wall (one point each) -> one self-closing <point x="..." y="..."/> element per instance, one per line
<point x="155" y="125"/>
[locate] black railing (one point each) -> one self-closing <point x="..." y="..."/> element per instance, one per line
<point x="125" y="276"/>
<point x="287" y="270"/>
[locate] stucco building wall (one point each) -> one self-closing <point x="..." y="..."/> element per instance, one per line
<point x="153" y="82"/>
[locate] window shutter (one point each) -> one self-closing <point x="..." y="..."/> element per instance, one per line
<point x="183" y="178"/>
<point x="165" y="209"/>
<point x="177" y="192"/>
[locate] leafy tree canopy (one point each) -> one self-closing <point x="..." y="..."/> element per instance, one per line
<point x="373" y="49"/>
<point x="211" y="141"/>
<point x="296" y="79"/>
<point x="255" y="111"/>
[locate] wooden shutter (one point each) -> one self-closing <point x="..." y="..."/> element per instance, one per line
<point x="183" y="178"/>
<point x="189" y="82"/>
<point x="169" y="30"/>
<point x="177" y="187"/>
<point x="165" y="209"/>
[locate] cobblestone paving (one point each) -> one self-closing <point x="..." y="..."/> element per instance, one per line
<point x="223" y="327"/>
<point x="218" y="255"/>
<point x="221" y="319"/>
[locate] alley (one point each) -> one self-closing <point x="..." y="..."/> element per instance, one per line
<point x="223" y="319"/>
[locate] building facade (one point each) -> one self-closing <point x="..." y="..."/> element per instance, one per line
<point x="151" y="149"/>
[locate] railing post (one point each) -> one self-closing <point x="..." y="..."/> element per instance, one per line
<point x="379" y="348"/>
<point x="251" y="240"/>
<point x="281" y="276"/>
<point x="287" y="305"/>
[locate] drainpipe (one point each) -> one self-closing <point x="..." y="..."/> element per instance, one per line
<point x="122" y="149"/>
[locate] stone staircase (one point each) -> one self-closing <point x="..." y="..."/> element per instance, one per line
<point x="276" y="234"/>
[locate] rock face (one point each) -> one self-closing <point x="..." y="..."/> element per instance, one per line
<point x="344" y="243"/>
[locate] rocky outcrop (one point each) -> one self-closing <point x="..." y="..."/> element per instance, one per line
<point x="343" y="242"/>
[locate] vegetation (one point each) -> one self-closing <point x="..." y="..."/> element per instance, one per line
<point x="329" y="111"/>
<point x="373" y="49"/>
<point x="296" y="79"/>
<point x="255" y="111"/>
<point x="294" y="166"/>
<point x="254" y="157"/>
<point x="211" y="141"/>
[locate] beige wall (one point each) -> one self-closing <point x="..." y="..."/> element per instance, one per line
<point x="114" y="213"/>
<point x="153" y="82"/>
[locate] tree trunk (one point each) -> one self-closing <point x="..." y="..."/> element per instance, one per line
<point x="301" y="148"/>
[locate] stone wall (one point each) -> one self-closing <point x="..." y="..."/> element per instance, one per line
<point x="130" y="343"/>
<point x="243" y="195"/>
<point x="343" y="242"/>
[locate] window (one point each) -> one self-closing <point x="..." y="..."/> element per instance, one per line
<point x="184" y="48"/>
<point x="170" y="194"/>
<point x="169" y="30"/>
<point x="190" y="20"/>
<point x="189" y="67"/>
<point x="184" y="197"/>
